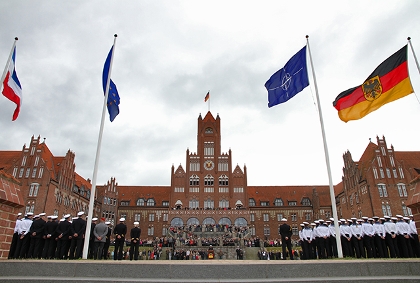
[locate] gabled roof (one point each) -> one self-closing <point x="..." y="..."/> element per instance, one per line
<point x="7" y="158"/>
<point x="209" y="117"/>
<point x="10" y="193"/>
<point x="79" y="180"/>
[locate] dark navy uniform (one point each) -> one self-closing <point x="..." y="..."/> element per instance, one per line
<point x="135" y="241"/>
<point x="50" y="236"/>
<point x="78" y="227"/>
<point x="286" y="238"/>
<point x="63" y="233"/>
<point x="120" y="231"/>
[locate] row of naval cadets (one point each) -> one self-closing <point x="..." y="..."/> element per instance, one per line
<point x="366" y="237"/>
<point x="34" y="237"/>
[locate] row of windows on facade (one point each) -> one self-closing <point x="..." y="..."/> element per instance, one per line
<point x="69" y="201"/>
<point x="252" y="231"/>
<point x="279" y="202"/>
<point x="209" y="180"/>
<point x="223" y="221"/>
<point x="382" y="190"/>
<point x="386" y="210"/>
<point x="28" y="172"/>
<point x="222" y="166"/>
<point x="388" y="173"/>
<point x="209" y="189"/>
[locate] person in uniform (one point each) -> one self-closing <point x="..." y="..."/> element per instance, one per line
<point x="391" y="236"/>
<point x="285" y="232"/>
<point x="120" y="231"/>
<point x="22" y="246"/>
<point x="15" y="237"/>
<point x="63" y="237"/>
<point x="414" y="237"/>
<point x="333" y="239"/>
<point x="78" y="228"/>
<point x="379" y="238"/>
<point x="108" y="241"/>
<point x="36" y="234"/>
<point x="357" y="237"/>
<point x="50" y="238"/>
<point x="307" y="237"/>
<point x="92" y="238"/>
<point x="100" y="232"/>
<point x="368" y="236"/>
<point x="135" y="241"/>
<point x="345" y="236"/>
<point x="403" y="236"/>
<point x="323" y="234"/>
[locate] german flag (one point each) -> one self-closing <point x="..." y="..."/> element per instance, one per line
<point x="389" y="82"/>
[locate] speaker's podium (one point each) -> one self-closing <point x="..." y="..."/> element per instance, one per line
<point x="210" y="253"/>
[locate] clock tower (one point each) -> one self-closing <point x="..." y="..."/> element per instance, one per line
<point x="208" y="182"/>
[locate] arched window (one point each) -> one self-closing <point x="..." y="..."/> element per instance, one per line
<point x="193" y="221"/>
<point x="140" y="202"/>
<point x="193" y="203"/>
<point x="241" y="222"/>
<point x="150" y="202"/>
<point x="209" y="180"/>
<point x="208" y="203"/>
<point x="223" y="203"/>
<point x="208" y="221"/>
<point x="306" y="202"/>
<point x="278" y="202"/>
<point x="225" y="221"/>
<point x="194" y="180"/>
<point x="223" y="180"/>
<point x="177" y="222"/>
<point x="251" y="202"/>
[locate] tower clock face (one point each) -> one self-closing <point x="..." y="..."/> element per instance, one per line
<point x="208" y="165"/>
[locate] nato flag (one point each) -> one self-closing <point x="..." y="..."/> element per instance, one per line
<point x="289" y="80"/>
<point x="113" y="97"/>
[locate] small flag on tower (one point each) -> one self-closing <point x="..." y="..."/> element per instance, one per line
<point x="207" y="97"/>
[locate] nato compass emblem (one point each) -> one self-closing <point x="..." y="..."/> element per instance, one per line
<point x="286" y="81"/>
<point x="372" y="88"/>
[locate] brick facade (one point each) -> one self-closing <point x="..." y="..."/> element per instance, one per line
<point x="11" y="203"/>
<point x="209" y="189"/>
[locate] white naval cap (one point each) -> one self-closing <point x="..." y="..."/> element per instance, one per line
<point x="80" y="213"/>
<point x="54" y="217"/>
<point x="107" y="223"/>
<point x="66" y="216"/>
<point x="94" y="218"/>
<point x="42" y="214"/>
<point x="136" y="223"/>
<point x="29" y="214"/>
<point x="19" y="214"/>
<point x="283" y="219"/>
<point x="122" y="219"/>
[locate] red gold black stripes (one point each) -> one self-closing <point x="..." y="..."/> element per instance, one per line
<point x="387" y="83"/>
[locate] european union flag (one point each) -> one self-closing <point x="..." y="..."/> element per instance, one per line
<point x="113" y="97"/>
<point x="289" y="80"/>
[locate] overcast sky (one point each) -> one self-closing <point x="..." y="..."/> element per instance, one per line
<point x="170" y="53"/>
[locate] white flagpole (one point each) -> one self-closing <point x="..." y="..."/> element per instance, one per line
<point x="8" y="61"/>
<point x="98" y="151"/>
<point x="209" y="99"/>
<point x="414" y="54"/>
<point x="327" y="160"/>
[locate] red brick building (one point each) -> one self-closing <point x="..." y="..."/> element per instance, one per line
<point x="379" y="184"/>
<point x="208" y="189"/>
<point x="48" y="183"/>
<point x="11" y="203"/>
